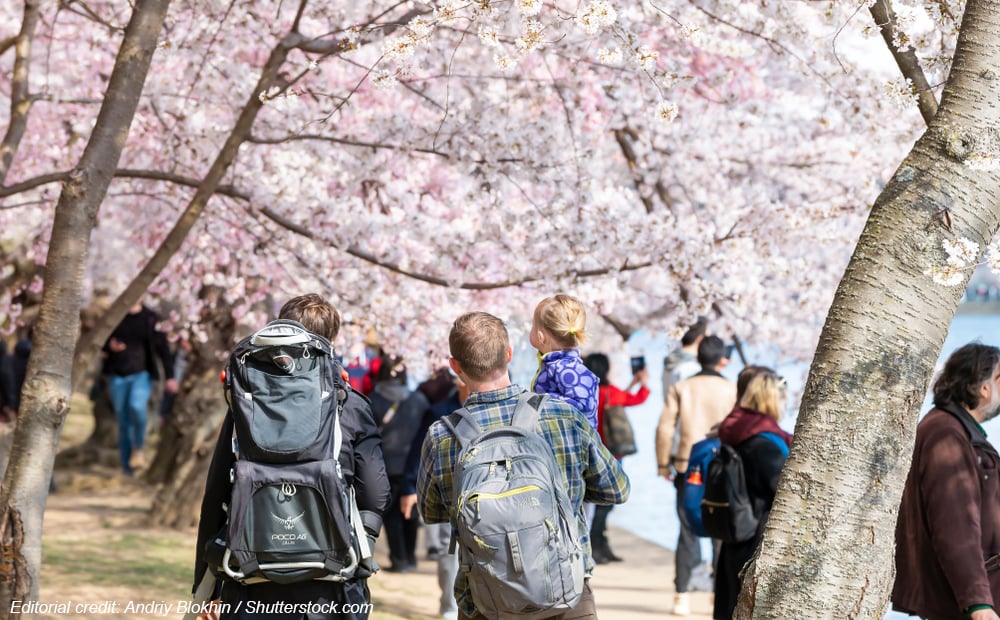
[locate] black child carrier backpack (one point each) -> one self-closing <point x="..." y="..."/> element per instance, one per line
<point x="512" y="518"/>
<point x="292" y="517"/>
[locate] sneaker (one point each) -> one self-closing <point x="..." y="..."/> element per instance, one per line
<point x="682" y="604"/>
<point x="137" y="460"/>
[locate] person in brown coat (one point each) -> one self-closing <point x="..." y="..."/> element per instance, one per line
<point x="948" y="532"/>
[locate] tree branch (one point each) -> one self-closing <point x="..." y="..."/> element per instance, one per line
<point x="154" y="175"/>
<point x="907" y="61"/>
<point x="20" y="97"/>
<point x="472" y="286"/>
<point x="347" y="142"/>
<point x="6" y="44"/>
<point x="206" y="189"/>
<point x="625" y="331"/>
<point x="622" y="136"/>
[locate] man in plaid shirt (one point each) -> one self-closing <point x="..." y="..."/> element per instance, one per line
<point x="480" y="352"/>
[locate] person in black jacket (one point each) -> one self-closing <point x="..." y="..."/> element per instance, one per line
<point x="398" y="435"/>
<point x="363" y="467"/>
<point x="131" y="355"/>
<point x="761" y="403"/>
<point x="8" y="397"/>
<point x="438" y="533"/>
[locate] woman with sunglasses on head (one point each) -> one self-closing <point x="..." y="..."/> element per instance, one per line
<point x="752" y="429"/>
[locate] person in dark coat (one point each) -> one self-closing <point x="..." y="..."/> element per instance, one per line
<point x="398" y="435"/>
<point x="948" y="531"/>
<point x="363" y="467"/>
<point x="133" y="355"/>
<point x="438" y="534"/>
<point x="760" y="407"/>
<point x="8" y="398"/>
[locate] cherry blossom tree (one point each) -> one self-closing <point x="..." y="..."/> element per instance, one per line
<point x="832" y="528"/>
<point x="484" y="154"/>
<point x="47" y="392"/>
<point x="413" y="160"/>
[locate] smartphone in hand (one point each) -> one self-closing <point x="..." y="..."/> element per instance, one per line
<point x="638" y="363"/>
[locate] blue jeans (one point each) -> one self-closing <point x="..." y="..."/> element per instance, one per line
<point x="130" y="397"/>
<point x="688" y="554"/>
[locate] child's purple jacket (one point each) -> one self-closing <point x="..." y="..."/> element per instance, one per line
<point x="562" y="374"/>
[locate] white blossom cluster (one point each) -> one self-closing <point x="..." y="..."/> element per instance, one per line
<point x="962" y="255"/>
<point x="482" y="154"/>
<point x="596" y="16"/>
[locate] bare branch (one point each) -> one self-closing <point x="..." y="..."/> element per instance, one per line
<point x="347" y="142"/>
<point x="20" y="97"/>
<point x="473" y="286"/>
<point x="83" y="10"/>
<point x="625" y="331"/>
<point x="623" y="137"/>
<point x="907" y="61"/>
<point x="154" y="175"/>
<point x="29" y="184"/>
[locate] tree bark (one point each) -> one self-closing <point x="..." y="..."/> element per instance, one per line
<point x="831" y="531"/>
<point x="48" y="386"/>
<point x="187" y="441"/>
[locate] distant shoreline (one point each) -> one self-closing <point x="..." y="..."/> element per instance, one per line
<point x="978" y="307"/>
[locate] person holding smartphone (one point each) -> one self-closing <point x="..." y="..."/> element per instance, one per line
<point x="610" y="396"/>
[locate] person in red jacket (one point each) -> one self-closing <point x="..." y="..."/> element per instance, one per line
<point x="610" y="396"/>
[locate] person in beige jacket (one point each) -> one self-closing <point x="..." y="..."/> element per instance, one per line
<point x="692" y="408"/>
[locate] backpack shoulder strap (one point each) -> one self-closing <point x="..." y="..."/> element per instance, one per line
<point x="778" y="441"/>
<point x="463" y="426"/>
<point x="529" y="405"/>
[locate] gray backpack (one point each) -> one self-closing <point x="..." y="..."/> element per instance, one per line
<point x="512" y="519"/>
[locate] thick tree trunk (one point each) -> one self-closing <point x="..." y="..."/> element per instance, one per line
<point x="828" y="547"/>
<point x="48" y="385"/>
<point x="186" y="443"/>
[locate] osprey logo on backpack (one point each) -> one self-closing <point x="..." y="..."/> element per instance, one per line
<point x="288" y="522"/>
<point x="292" y="516"/>
<point x="512" y="519"/>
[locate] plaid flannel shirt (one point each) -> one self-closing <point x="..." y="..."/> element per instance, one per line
<point x="591" y="473"/>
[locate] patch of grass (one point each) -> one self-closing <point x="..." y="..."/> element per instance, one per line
<point x="158" y="566"/>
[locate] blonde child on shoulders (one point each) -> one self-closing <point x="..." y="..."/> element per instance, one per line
<point x="558" y="328"/>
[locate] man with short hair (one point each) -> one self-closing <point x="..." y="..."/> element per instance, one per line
<point x="480" y="352"/>
<point x="683" y="361"/>
<point x="693" y="406"/>
<point x="948" y="532"/>
<point x="363" y="468"/>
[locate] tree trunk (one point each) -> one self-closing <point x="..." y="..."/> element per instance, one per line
<point x="186" y="443"/>
<point x="209" y="184"/>
<point x="48" y="386"/>
<point x="828" y="547"/>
